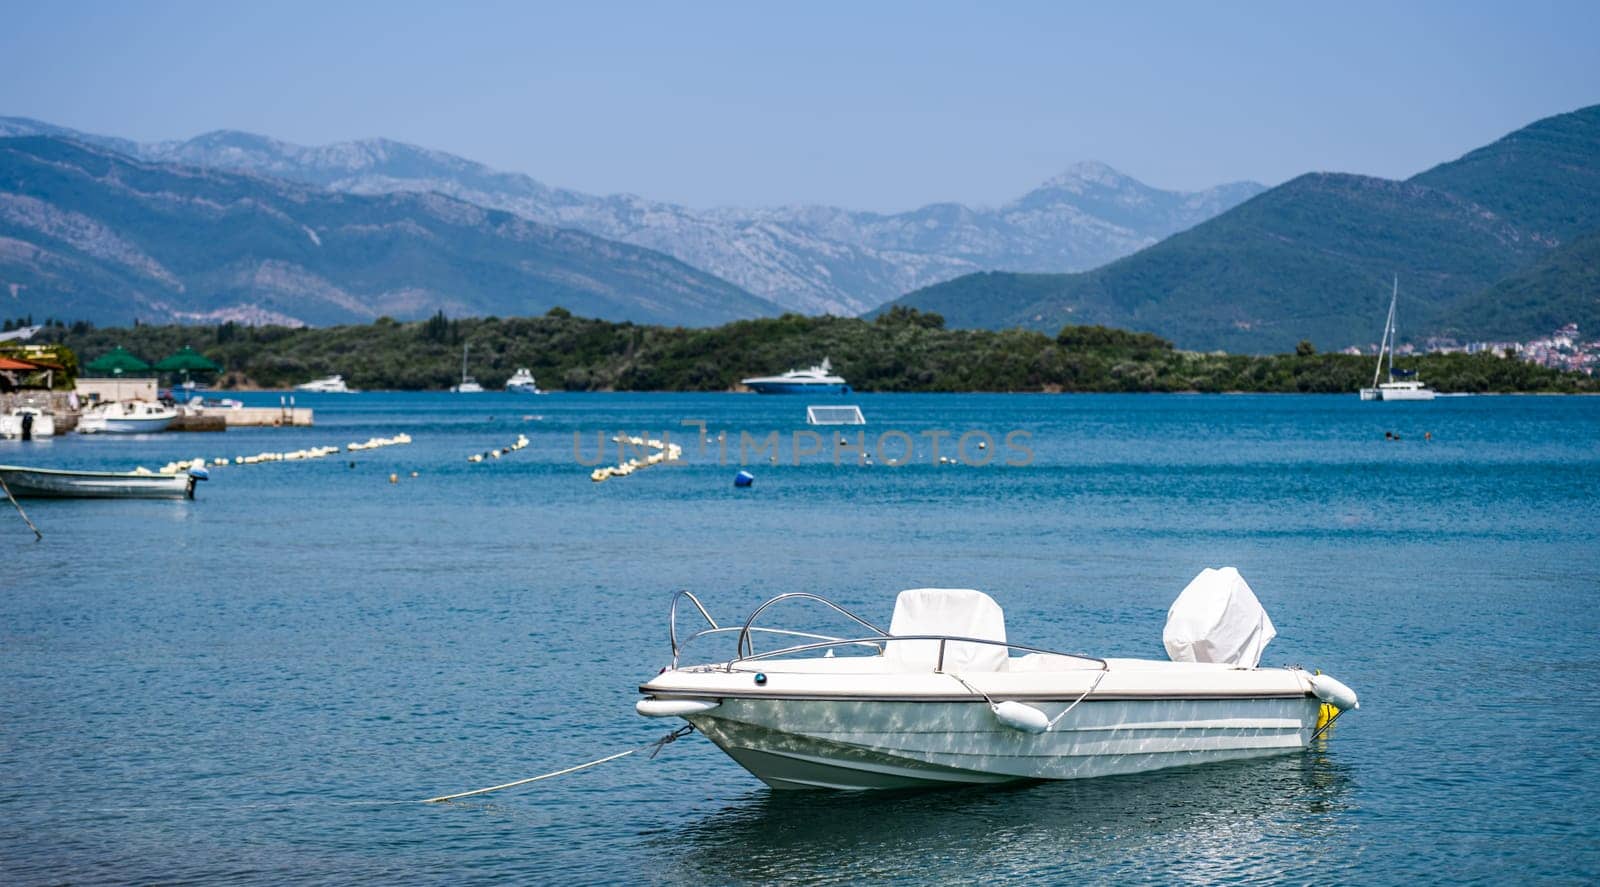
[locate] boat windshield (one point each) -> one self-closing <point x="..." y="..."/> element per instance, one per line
<point x="937" y="648"/>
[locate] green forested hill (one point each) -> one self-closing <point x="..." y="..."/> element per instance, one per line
<point x="1310" y="259"/>
<point x="1545" y="176"/>
<point x="1313" y="258"/>
<point x="1562" y="287"/>
<point x="900" y="351"/>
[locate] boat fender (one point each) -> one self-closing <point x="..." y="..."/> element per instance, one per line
<point x="743" y="479"/>
<point x="1333" y="692"/>
<point x="1019" y="716"/>
<point x="674" y="708"/>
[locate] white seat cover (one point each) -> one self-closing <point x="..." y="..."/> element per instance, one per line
<point x="957" y="612"/>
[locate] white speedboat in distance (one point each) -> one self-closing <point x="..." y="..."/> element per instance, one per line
<point x="939" y="699"/>
<point x="127" y="417"/>
<point x="522" y="382"/>
<point x="333" y="384"/>
<point x="49" y="483"/>
<point x="815" y="380"/>
<point x="1403" y="388"/>
<point x="27" y="421"/>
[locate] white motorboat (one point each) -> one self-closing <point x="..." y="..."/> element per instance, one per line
<point x="49" y="483"/>
<point x="198" y="404"/>
<point x="333" y="384"/>
<point x="26" y="422"/>
<point x="468" y="385"/>
<point x="1401" y="385"/>
<point x="127" y="417"/>
<point x="814" y="380"/>
<point x="522" y="382"/>
<point x="939" y="699"/>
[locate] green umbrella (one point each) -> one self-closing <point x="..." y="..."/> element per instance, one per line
<point x="187" y="360"/>
<point x="116" y="362"/>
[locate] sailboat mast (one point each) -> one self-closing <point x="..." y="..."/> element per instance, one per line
<point x="1394" y="334"/>
<point x="1385" y="346"/>
<point x="464" y="359"/>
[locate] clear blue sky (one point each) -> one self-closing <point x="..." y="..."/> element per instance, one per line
<point x="868" y="105"/>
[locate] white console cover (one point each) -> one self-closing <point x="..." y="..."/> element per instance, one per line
<point x="1217" y="619"/>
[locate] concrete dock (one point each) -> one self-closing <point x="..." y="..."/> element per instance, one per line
<point x="261" y="416"/>
<point x="61" y="403"/>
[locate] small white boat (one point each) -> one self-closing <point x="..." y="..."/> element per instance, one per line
<point x="1404" y="387"/>
<point x="333" y="384"/>
<point x="938" y="699"/>
<point x="27" y="422"/>
<point x="49" y="483"/>
<point x="522" y="382"/>
<point x="127" y="417"/>
<point x="814" y="380"/>
<point x="468" y="384"/>
<point x="198" y="403"/>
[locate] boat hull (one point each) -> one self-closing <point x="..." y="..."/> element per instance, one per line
<point x="870" y="744"/>
<point x="1398" y="394"/>
<point x="43" y="426"/>
<point x="136" y="426"/>
<point x="1423" y="394"/>
<point x="39" y="483"/>
<point x="796" y="388"/>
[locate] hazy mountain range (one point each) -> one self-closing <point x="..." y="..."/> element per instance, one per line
<point x="1498" y="243"/>
<point x="811" y="259"/>
<point x="89" y="233"/>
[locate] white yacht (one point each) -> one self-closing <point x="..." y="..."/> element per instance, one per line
<point x="522" y="382"/>
<point x="28" y="421"/>
<point x="468" y="384"/>
<point x="127" y="417"/>
<point x="333" y="384"/>
<point x="939" y="699"/>
<point x="814" y="380"/>
<point x="1404" y="387"/>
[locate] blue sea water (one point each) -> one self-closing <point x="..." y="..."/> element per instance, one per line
<point x="256" y="686"/>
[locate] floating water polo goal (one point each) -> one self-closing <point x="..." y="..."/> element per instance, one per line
<point x="843" y="415"/>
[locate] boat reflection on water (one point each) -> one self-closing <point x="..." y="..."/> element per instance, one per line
<point x="1225" y="821"/>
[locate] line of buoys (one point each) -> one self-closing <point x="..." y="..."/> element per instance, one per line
<point x="522" y="441"/>
<point x="290" y="456"/>
<point x="374" y="443"/>
<point x="664" y="452"/>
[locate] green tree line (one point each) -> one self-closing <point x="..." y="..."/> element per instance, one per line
<point x="901" y="350"/>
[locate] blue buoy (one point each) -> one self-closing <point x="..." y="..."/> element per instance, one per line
<point x="743" y="479"/>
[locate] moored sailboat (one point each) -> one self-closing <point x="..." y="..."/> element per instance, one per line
<point x="468" y="385"/>
<point x="1402" y="384"/>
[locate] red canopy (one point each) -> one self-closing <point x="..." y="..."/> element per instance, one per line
<point x="11" y="363"/>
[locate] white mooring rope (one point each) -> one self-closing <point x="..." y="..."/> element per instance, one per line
<point x="655" y="745"/>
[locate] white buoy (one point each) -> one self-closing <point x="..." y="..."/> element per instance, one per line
<point x="1334" y="692"/>
<point x="1018" y="716"/>
<point x="674" y="708"/>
